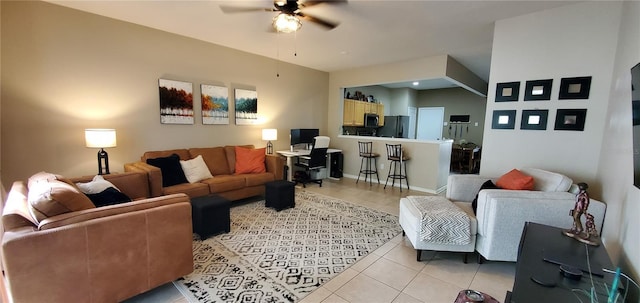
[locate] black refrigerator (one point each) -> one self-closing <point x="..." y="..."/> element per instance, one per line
<point x="395" y="127"/>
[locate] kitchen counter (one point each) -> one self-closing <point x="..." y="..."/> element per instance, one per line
<point x="427" y="170"/>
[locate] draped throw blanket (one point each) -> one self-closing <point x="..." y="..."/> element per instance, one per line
<point x="442" y="221"/>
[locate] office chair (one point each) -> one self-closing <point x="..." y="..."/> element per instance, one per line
<point x="316" y="160"/>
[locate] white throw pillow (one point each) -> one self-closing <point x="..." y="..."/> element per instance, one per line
<point x="98" y="185"/>
<point x="195" y="169"/>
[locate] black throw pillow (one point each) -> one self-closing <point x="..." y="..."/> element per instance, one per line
<point x="486" y="185"/>
<point x="172" y="173"/>
<point x="109" y="196"/>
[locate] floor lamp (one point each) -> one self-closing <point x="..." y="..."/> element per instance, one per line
<point x="101" y="138"/>
<point x="269" y="134"/>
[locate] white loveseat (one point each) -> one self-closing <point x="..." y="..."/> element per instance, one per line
<point x="501" y="213"/>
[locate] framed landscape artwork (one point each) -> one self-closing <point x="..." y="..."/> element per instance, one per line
<point x="246" y="102"/>
<point x="176" y="102"/>
<point x="215" y="104"/>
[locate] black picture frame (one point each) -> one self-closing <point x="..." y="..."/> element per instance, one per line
<point x="570" y="119"/>
<point x="503" y="119"/>
<point x="507" y="91"/>
<point x="534" y="119"/>
<point x="538" y="90"/>
<point x="574" y="88"/>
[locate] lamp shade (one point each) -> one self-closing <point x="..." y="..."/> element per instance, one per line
<point x="269" y="134"/>
<point x="100" y="137"/>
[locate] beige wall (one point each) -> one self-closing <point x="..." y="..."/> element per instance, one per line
<point x="65" y="70"/>
<point x="457" y="101"/>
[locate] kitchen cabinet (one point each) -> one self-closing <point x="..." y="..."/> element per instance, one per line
<point x="354" y="110"/>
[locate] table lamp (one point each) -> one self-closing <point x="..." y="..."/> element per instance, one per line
<point x="101" y="138"/>
<point x="269" y="134"/>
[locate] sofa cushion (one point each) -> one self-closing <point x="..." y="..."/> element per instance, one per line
<point x="230" y="150"/>
<point x="96" y="185"/>
<point x="486" y="185"/>
<point x="170" y="169"/>
<point x="250" y="160"/>
<point x="224" y="183"/>
<point x="258" y="179"/>
<point x="49" y="198"/>
<point x="195" y="169"/>
<point x="191" y="189"/>
<point x="214" y="157"/>
<point x="515" y="179"/>
<point x="548" y="181"/>
<point x="109" y="196"/>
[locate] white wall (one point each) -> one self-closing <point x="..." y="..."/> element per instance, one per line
<point x="615" y="170"/>
<point x="598" y="39"/>
<point x="570" y="41"/>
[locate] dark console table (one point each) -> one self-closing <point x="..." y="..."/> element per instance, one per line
<point x="541" y="244"/>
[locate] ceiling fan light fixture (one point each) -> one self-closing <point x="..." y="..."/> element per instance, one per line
<point x="286" y="23"/>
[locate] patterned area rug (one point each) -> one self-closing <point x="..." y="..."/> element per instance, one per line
<point x="282" y="256"/>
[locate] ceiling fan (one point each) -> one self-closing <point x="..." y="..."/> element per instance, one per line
<point x="289" y="13"/>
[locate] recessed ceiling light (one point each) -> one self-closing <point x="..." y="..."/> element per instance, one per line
<point x="416" y="83"/>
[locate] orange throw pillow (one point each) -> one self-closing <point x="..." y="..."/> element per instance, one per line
<point x="515" y="179"/>
<point x="250" y="160"/>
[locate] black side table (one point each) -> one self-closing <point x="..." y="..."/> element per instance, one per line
<point x="210" y="215"/>
<point x="538" y="278"/>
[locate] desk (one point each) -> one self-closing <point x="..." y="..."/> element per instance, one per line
<point x="303" y="152"/>
<point x="539" y="241"/>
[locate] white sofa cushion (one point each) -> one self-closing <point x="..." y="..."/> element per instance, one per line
<point x="548" y="181"/>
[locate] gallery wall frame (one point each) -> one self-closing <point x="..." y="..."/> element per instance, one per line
<point x="570" y="119"/>
<point x="176" y="102"/>
<point x="574" y="88"/>
<point x="507" y="91"/>
<point x="503" y="119"/>
<point x="534" y="119"/>
<point x="246" y="106"/>
<point x="538" y="90"/>
<point x="215" y="104"/>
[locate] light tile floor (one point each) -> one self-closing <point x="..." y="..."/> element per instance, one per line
<point x="391" y="273"/>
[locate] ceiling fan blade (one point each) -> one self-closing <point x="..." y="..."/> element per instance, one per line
<point x="327" y="24"/>
<point x="239" y="9"/>
<point x="314" y="3"/>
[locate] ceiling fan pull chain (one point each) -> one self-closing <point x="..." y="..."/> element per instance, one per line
<point x="295" y="43"/>
<point x="278" y="54"/>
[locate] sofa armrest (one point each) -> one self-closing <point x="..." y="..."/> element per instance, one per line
<point x="275" y="164"/>
<point x="501" y="216"/>
<point x="464" y="187"/>
<point x="153" y="174"/>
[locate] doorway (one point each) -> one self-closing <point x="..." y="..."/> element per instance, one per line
<point x="430" y="123"/>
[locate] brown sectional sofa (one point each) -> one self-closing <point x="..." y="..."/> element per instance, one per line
<point x="221" y="162"/>
<point x="70" y="251"/>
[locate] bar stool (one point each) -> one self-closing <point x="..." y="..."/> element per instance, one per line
<point x="397" y="159"/>
<point x="366" y="157"/>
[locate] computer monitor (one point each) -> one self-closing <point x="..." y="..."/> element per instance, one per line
<point x="303" y="135"/>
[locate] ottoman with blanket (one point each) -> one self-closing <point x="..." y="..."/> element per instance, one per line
<point x="435" y="223"/>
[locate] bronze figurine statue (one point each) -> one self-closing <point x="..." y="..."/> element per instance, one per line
<point x="590" y="236"/>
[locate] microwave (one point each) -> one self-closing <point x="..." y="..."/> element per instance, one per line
<point x="370" y="120"/>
